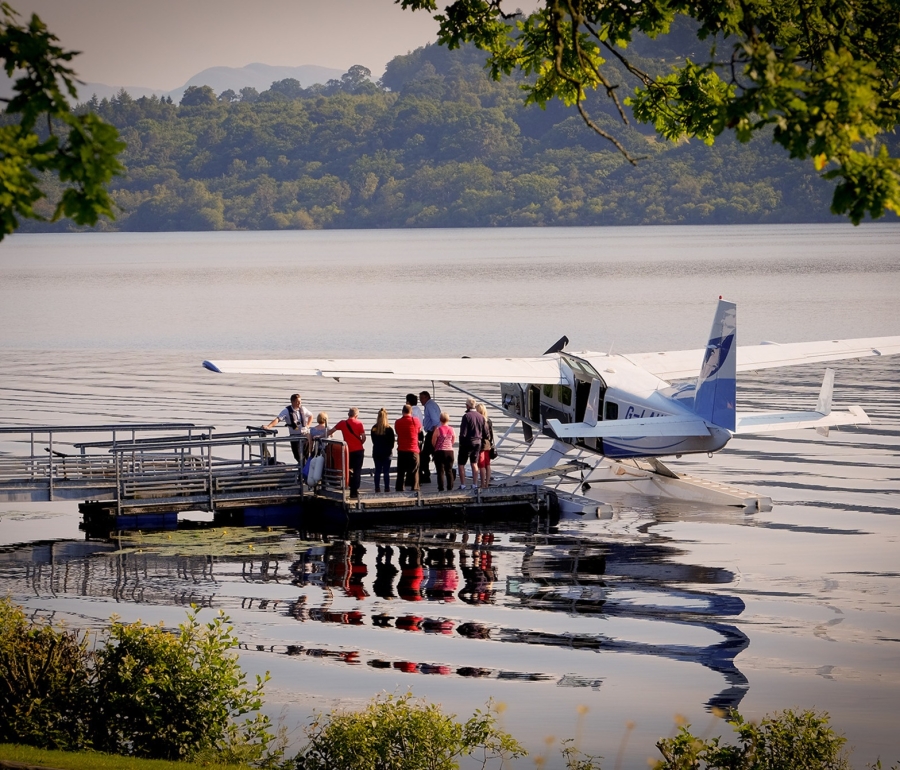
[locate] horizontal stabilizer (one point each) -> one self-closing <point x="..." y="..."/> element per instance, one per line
<point x="772" y="422"/>
<point x="667" y="425"/>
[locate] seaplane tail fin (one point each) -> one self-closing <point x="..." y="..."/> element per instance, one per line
<point x="716" y="387"/>
<point x="823" y="406"/>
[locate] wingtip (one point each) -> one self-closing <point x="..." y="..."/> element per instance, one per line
<point x="212" y="367"/>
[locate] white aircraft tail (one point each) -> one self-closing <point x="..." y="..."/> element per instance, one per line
<point x="715" y="396"/>
<point x="821" y="419"/>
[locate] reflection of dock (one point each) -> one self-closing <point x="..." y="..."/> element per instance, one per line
<point x="131" y="477"/>
<point x="422" y="583"/>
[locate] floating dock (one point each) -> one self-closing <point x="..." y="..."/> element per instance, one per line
<point x="142" y="476"/>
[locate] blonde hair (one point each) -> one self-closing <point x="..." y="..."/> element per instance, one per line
<point x="381" y="423"/>
<point x="481" y="410"/>
<point x="445" y="417"/>
<point x="322" y="418"/>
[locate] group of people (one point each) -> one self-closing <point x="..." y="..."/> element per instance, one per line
<point x="422" y="435"/>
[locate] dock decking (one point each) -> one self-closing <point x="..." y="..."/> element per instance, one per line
<point x="127" y="480"/>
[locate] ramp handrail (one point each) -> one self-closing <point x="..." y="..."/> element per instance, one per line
<point x="149" y="426"/>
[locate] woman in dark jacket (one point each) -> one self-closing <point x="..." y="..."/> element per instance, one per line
<point x="382" y="449"/>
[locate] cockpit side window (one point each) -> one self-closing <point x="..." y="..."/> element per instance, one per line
<point x="548" y="390"/>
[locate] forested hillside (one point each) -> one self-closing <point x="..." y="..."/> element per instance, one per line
<point x="435" y="144"/>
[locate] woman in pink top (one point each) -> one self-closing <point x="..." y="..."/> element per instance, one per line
<point x="443" y="439"/>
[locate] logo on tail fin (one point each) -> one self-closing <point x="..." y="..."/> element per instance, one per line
<point x="714" y="400"/>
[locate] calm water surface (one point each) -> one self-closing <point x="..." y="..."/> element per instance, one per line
<point x="659" y="610"/>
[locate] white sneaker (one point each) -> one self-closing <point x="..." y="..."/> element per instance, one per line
<point x="462" y="486"/>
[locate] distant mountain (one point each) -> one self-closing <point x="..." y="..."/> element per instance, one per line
<point x="258" y="76"/>
<point x="104" y="91"/>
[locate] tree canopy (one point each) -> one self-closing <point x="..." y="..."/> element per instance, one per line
<point x="41" y="136"/>
<point x="821" y="75"/>
<point x="436" y="143"/>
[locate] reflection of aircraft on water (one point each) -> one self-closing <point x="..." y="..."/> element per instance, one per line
<point x="627" y="408"/>
<point x="560" y="587"/>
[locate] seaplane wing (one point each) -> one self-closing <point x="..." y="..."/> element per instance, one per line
<point x="684" y="364"/>
<point x="539" y="370"/>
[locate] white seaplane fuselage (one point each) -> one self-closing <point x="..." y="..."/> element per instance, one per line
<point x="626" y="392"/>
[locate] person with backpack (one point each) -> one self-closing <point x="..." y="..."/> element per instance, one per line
<point x="298" y="419"/>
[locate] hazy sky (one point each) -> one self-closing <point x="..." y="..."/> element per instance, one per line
<point x="161" y="43"/>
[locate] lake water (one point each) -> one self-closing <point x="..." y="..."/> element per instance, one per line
<point x="659" y="610"/>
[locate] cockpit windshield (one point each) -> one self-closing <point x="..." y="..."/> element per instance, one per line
<point x="582" y="367"/>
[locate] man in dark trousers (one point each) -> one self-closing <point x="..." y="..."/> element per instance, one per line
<point x="407" y="429"/>
<point x="298" y="418"/>
<point x="354" y="437"/>
<point x="431" y="420"/>
<point x="471" y="431"/>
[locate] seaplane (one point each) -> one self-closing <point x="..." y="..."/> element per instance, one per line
<point x="614" y="416"/>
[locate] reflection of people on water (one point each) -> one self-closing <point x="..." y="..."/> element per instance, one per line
<point x="299" y="610"/>
<point x="474" y="630"/>
<point x="410" y="586"/>
<point x="409" y="623"/>
<point x="438" y="626"/>
<point x="358" y="570"/>
<point x="337" y="564"/>
<point x="479" y="577"/>
<point x="443" y="579"/>
<point x="345" y="568"/>
<point x="385" y="572"/>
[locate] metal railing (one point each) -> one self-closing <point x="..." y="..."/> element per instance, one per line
<point x="55" y="465"/>
<point x="196" y="472"/>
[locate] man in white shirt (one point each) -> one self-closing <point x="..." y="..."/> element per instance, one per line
<point x="298" y="420"/>
<point x="430" y="422"/>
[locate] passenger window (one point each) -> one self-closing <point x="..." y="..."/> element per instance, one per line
<point x="565" y="395"/>
<point x="612" y="410"/>
<point x="548" y="391"/>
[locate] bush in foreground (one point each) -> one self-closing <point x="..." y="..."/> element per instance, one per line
<point x="45" y="682"/>
<point x="175" y="696"/>
<point x="786" y="740"/>
<point x="403" y="733"/>
<point x="144" y="691"/>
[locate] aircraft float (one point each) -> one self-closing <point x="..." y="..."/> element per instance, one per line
<point x="613" y="416"/>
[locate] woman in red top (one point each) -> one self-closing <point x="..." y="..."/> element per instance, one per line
<point x="407" y="429"/>
<point x="354" y="437"/>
